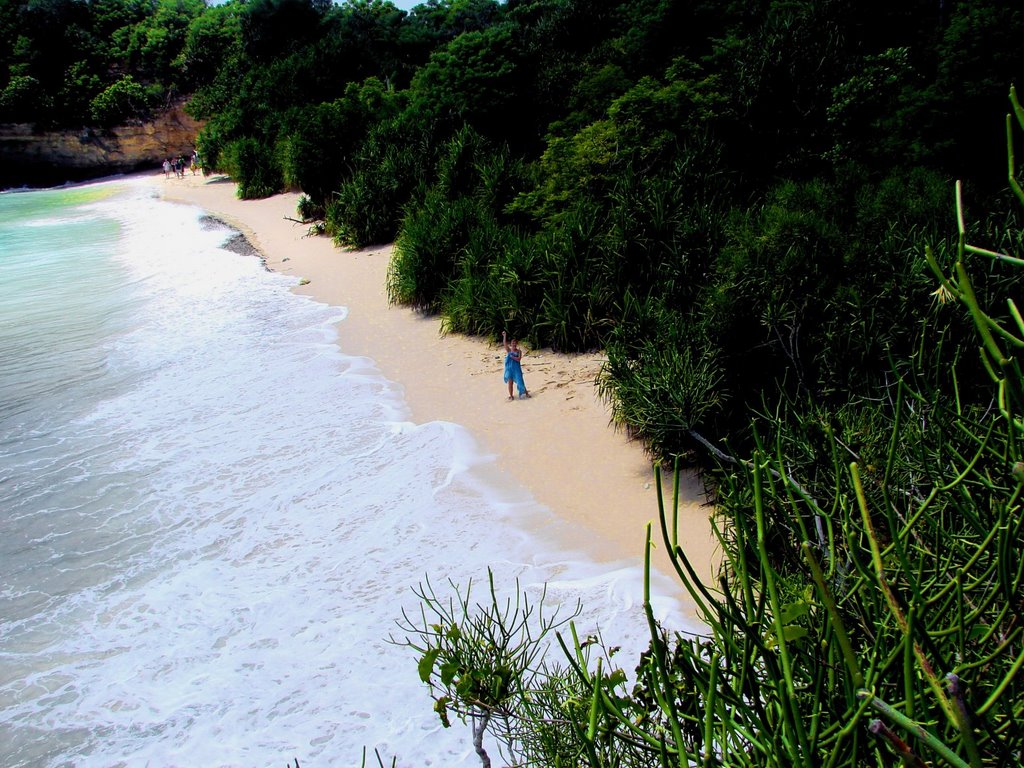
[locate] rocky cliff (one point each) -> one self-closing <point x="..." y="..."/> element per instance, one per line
<point x="44" y="158"/>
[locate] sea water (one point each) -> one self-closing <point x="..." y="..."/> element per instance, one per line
<point x="211" y="516"/>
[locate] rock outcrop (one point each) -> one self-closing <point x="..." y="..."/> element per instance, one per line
<point x="45" y="158"/>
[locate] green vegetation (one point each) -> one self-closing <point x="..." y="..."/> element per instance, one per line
<point x="731" y="199"/>
<point x="702" y="189"/>
<point x="747" y="193"/>
<point x="869" y="607"/>
<point x="69" y="63"/>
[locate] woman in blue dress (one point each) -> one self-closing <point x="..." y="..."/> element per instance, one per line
<point x="513" y="367"/>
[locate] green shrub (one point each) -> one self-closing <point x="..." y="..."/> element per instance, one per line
<point x="24" y="100"/>
<point x="662" y="377"/>
<point x="389" y="172"/>
<point x="577" y="306"/>
<point x="494" y="285"/>
<point x="253" y="167"/>
<point x="428" y="251"/>
<point x="308" y="210"/>
<point x="120" y="102"/>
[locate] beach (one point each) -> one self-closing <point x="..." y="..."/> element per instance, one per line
<point x="559" y="445"/>
<point x="225" y="502"/>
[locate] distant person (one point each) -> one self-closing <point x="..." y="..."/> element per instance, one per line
<point x="195" y="162"/>
<point x="514" y="367"/>
<point x="167" y="168"/>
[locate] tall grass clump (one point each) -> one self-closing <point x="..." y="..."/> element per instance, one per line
<point x="578" y="299"/>
<point x="493" y="285"/>
<point x="454" y="236"/>
<point x="388" y="172"/>
<point x="428" y="251"/>
<point x="662" y="376"/>
<point x="254" y="166"/>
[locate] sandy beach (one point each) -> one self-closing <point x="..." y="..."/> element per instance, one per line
<point x="559" y="445"/>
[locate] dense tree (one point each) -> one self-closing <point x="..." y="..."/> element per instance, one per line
<point x="212" y="50"/>
<point x="118" y="103"/>
<point x="977" y="56"/>
<point x="322" y="139"/>
<point x="23" y="99"/>
<point x="367" y="39"/>
<point x="473" y="80"/>
<point x="155" y="42"/>
<point x="273" y="29"/>
<point x="444" y="20"/>
<point x="75" y="53"/>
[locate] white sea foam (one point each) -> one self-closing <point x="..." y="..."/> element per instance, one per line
<point x="203" y="559"/>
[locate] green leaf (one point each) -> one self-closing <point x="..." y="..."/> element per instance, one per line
<point x="790" y="632"/>
<point x="617" y="677"/>
<point x="463" y="686"/>
<point x="448" y="672"/>
<point x="793" y="611"/>
<point x="441" y="707"/>
<point x="793" y="632"/>
<point x="426" y="665"/>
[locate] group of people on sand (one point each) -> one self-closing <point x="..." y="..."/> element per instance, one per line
<point x="514" y="367"/>
<point x="176" y="165"/>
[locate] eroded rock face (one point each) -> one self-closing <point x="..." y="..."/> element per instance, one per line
<point x="45" y="158"/>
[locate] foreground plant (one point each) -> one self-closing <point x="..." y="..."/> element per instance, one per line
<point x="481" y="660"/>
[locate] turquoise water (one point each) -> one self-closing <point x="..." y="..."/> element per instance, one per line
<point x="211" y="516"/>
<point x="59" y="298"/>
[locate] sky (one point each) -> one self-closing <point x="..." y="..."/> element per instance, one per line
<point x="405" y="5"/>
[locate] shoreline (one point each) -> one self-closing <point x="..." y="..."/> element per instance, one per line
<point x="559" y="445"/>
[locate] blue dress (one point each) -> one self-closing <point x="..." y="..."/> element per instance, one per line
<point x="514" y="370"/>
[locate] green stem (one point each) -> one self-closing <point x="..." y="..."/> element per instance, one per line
<point x="1001" y="688"/>
<point x="789" y="702"/>
<point x="914" y="729"/>
<point x="833" y="611"/>
<point x="1011" y="162"/>
<point x="890" y="598"/>
<point x="710" y="710"/>
<point x="980" y="320"/>
<point x="659" y="649"/>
